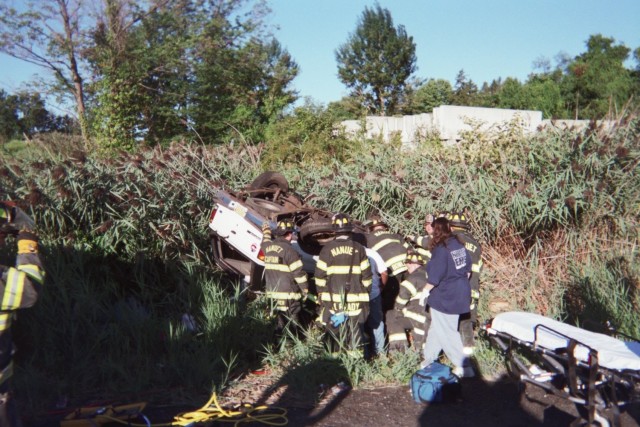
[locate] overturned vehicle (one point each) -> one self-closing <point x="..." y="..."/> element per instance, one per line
<point x="235" y="226"/>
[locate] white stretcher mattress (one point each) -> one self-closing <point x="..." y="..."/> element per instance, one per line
<point x="612" y="353"/>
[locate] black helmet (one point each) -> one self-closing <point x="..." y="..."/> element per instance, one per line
<point x="341" y="223"/>
<point x="285" y="226"/>
<point x="458" y="219"/>
<point x="375" y="222"/>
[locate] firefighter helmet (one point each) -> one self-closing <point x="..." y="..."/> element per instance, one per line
<point x="342" y="223"/>
<point x="285" y="226"/>
<point x="414" y="258"/>
<point x="458" y="219"/>
<point x="376" y="222"/>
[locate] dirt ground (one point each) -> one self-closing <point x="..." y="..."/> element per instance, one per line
<point x="503" y="402"/>
<point x="499" y="403"/>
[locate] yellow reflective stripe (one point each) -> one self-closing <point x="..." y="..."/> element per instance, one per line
<point x="396" y="259"/>
<point x="383" y="242"/>
<point x="301" y="279"/>
<point x="398" y="268"/>
<point x="277" y="267"/>
<point x="409" y="286"/>
<point x="295" y="265"/>
<point x="321" y="265"/>
<point x="400" y="336"/>
<point x="33" y="271"/>
<point x="475" y="294"/>
<point x="367" y="283"/>
<point x="476" y="267"/>
<point x="5" y="321"/>
<point x="364" y="264"/>
<point x="321" y="283"/>
<point x="401" y="301"/>
<point x="424" y="252"/>
<point x="6" y="373"/>
<point x="14" y="287"/>
<point x="344" y="269"/>
<point x="326" y="296"/>
<point x="418" y="331"/>
<point x="415" y="316"/>
<point x="472" y="306"/>
<point x="283" y="295"/>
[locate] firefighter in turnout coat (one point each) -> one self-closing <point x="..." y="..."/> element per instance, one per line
<point x="421" y="243"/>
<point x="408" y="313"/>
<point x="343" y="280"/>
<point x="286" y="281"/>
<point x="393" y="251"/>
<point x="19" y="287"/>
<point x="460" y="228"/>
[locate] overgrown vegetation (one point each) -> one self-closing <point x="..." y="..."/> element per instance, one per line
<point x="133" y="306"/>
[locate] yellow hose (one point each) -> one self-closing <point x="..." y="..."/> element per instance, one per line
<point x="212" y="411"/>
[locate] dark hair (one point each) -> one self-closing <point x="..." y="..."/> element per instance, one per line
<point x="441" y="232"/>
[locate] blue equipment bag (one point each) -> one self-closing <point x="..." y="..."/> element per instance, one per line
<point x="435" y="383"/>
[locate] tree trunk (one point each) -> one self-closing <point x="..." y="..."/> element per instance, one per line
<point x="78" y="84"/>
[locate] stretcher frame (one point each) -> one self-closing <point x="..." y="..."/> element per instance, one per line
<point x="559" y="372"/>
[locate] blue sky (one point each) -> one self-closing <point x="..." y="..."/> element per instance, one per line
<point x="486" y="38"/>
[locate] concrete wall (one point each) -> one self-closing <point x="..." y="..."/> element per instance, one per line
<point x="449" y="121"/>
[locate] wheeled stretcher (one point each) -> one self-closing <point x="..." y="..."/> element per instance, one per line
<point x="597" y="372"/>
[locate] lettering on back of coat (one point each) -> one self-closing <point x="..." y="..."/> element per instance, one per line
<point x="340" y="250"/>
<point x="274" y="248"/>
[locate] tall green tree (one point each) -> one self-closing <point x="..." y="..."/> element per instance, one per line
<point x="542" y="92"/>
<point x="376" y="61"/>
<point x="431" y="94"/>
<point x="177" y="68"/>
<point x="597" y="83"/>
<point x="511" y="95"/>
<point x="242" y="77"/>
<point x="139" y="56"/>
<point x="8" y="116"/>
<point x="465" y="91"/>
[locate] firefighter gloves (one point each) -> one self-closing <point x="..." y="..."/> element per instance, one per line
<point x="338" y="319"/>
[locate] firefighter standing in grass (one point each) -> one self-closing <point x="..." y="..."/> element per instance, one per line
<point x="460" y="228"/>
<point x="343" y="280"/>
<point x="393" y="251"/>
<point x="408" y="313"/>
<point x="422" y="244"/>
<point x="19" y="287"/>
<point x="286" y="281"/>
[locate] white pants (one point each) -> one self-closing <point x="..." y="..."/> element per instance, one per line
<point x="443" y="335"/>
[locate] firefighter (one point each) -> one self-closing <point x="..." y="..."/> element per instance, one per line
<point x="409" y="314"/>
<point x="468" y="322"/>
<point x="20" y="286"/>
<point x="343" y="279"/>
<point x="393" y="251"/>
<point x="286" y="281"/>
<point x="421" y="243"/>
